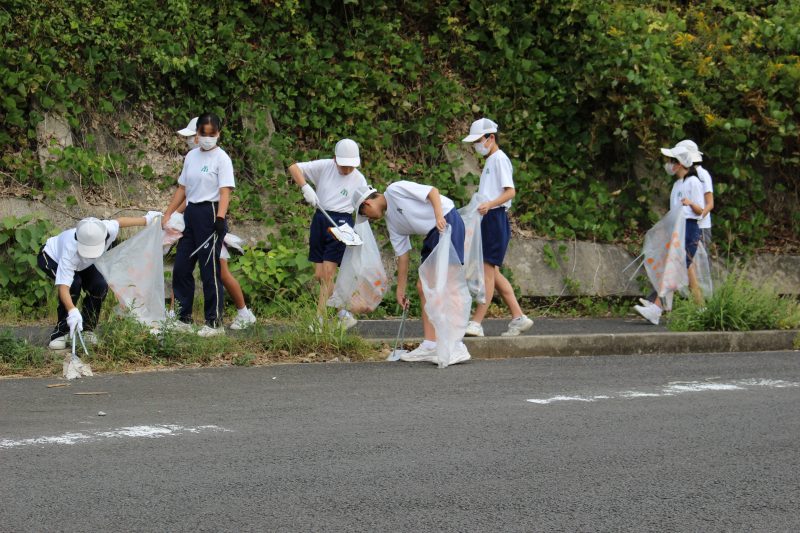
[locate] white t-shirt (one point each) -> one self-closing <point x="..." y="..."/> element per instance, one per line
<point x="691" y="188"/>
<point x="204" y="173"/>
<point x="498" y="173"/>
<point x="708" y="186"/>
<point x="63" y="249"/>
<point x="334" y="190"/>
<point x="409" y="212"/>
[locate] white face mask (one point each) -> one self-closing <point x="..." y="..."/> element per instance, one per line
<point x="481" y="148"/>
<point x="207" y="143"/>
<point x="190" y="142"/>
<point x="669" y="168"/>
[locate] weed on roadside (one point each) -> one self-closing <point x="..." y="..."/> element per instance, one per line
<point x="736" y="305"/>
<point x="18" y="354"/>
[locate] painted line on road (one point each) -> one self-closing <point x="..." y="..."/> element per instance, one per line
<point x="148" y="432"/>
<point x="675" y="388"/>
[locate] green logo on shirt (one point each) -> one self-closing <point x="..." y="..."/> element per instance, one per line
<point x="344" y="192"/>
<point x="204" y="169"/>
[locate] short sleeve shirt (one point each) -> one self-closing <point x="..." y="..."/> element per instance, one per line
<point x="204" y="173"/>
<point x="691" y="188"/>
<point x="498" y="173"/>
<point x="334" y="190"/>
<point x="708" y="186"/>
<point x="63" y="249"/>
<point x="409" y="212"/>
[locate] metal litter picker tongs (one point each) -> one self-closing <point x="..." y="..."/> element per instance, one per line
<point x="73" y="366"/>
<point x="344" y="233"/>
<point x="396" y="354"/>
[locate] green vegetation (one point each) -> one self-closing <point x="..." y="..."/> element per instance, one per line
<point x="736" y="305"/>
<point x="17" y="355"/>
<point x="585" y="93"/>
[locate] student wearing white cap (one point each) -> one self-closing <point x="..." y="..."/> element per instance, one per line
<point x="244" y="317"/>
<point x="68" y="258"/>
<point x="412" y="209"/>
<point x="708" y="190"/>
<point x="335" y="180"/>
<point x="204" y="187"/>
<point x="687" y="194"/>
<point x="497" y="184"/>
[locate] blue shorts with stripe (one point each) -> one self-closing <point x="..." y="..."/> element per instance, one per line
<point x="495" y="234"/>
<point x="322" y="246"/>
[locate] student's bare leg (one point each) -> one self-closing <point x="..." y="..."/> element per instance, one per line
<point x="231" y="284"/>
<point x="427" y="328"/>
<point x="489" y="272"/>
<point x="325" y="273"/>
<point x="506" y="292"/>
<point x="694" y="286"/>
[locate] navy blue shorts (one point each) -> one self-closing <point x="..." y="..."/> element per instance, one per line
<point x="495" y="234"/>
<point x="693" y="235"/>
<point x="456" y="236"/>
<point x="322" y="246"/>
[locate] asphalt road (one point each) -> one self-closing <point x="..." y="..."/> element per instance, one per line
<point x="657" y="443"/>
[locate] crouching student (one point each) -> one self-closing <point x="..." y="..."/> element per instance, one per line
<point x="205" y="186"/>
<point x="497" y="184"/>
<point x="412" y="209"/>
<point x="335" y="180"/>
<point x="687" y="194"/>
<point x="68" y="258"/>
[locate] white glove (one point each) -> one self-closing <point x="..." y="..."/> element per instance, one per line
<point x="310" y="195"/>
<point x="151" y="216"/>
<point x="74" y="321"/>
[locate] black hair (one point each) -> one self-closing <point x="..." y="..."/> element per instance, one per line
<point x="372" y="196"/>
<point x="209" y="118"/>
<point x="496" y="137"/>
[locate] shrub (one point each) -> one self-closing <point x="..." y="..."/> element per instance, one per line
<point x="736" y="305"/>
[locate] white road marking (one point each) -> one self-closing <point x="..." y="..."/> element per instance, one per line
<point x="149" y="432"/>
<point x="675" y="388"/>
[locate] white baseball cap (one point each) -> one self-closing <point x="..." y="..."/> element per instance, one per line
<point x="479" y="128"/>
<point x="359" y="195"/>
<point x="91" y="236"/>
<point x="694" y="151"/>
<point x="346" y="153"/>
<point x="191" y="128"/>
<point x="681" y="153"/>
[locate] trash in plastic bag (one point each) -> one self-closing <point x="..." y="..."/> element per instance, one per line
<point x="702" y="267"/>
<point x="447" y="300"/>
<point x="665" y="256"/>
<point x="235" y="242"/>
<point x="362" y="281"/>
<point x="134" y="270"/>
<point x="173" y="231"/>
<point x="473" y="247"/>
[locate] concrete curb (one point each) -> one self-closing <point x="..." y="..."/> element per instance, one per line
<point x="625" y="343"/>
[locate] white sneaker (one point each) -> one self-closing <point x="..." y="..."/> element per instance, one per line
<point x="208" y="331"/>
<point x="59" y="343"/>
<point x="420" y="354"/>
<point x="461" y="354"/>
<point x="517" y="326"/>
<point x="177" y="325"/>
<point x="474" y="329"/>
<point x="652" y="313"/>
<point x="89" y="337"/>
<point x="347" y="321"/>
<point x="243" y="322"/>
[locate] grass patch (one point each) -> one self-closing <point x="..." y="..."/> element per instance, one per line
<point x="575" y="306"/>
<point x="18" y="355"/>
<point x="736" y="305"/>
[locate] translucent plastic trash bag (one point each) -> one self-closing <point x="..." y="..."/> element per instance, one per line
<point x="665" y="256"/>
<point x="134" y="271"/>
<point x="473" y="248"/>
<point x="447" y="300"/>
<point x="362" y="281"/>
<point x="702" y="265"/>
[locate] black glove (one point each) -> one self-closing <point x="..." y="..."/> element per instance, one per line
<point x="219" y="228"/>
